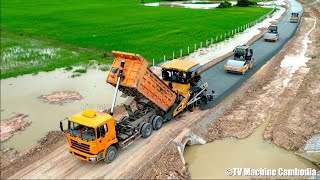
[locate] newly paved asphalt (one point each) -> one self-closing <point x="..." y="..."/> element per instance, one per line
<point x="224" y="83"/>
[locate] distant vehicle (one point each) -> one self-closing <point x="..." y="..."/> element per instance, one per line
<point x="272" y="34"/>
<point x="242" y="60"/>
<point x="294" y="17"/>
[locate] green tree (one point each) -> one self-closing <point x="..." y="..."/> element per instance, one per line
<point x="245" y="3"/>
<point x="225" y="4"/>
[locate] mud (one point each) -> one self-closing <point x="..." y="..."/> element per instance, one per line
<point x="11" y="125"/>
<point x="61" y="97"/>
<point x="167" y="165"/>
<point x="12" y="160"/>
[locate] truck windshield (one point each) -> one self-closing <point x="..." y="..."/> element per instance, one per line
<point x="175" y="76"/>
<point x="81" y="131"/>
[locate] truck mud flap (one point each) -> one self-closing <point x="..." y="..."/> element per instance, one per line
<point x="169" y="115"/>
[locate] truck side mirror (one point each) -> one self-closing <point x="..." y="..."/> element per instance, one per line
<point x="61" y="126"/>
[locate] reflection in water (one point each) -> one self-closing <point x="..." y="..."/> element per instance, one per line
<point x="21" y="95"/>
<point x="211" y="160"/>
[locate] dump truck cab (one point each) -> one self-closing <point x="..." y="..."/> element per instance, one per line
<point x="294" y="17"/>
<point x="272" y="34"/>
<point x="90" y="134"/>
<point x="242" y="60"/>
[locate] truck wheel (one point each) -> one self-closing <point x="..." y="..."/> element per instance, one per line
<point x="111" y="154"/>
<point x="146" y="130"/>
<point x="157" y="122"/>
<point x="151" y="118"/>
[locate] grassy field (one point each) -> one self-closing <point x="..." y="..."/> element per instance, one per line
<point x="21" y="54"/>
<point x="85" y="30"/>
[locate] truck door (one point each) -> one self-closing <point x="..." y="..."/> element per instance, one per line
<point x="103" y="138"/>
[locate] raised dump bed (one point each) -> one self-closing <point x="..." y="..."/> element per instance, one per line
<point x="139" y="81"/>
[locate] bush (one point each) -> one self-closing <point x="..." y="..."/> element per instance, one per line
<point x="245" y="3"/>
<point x="80" y="71"/>
<point x="225" y="4"/>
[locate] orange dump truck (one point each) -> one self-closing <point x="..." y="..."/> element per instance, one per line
<point x="94" y="136"/>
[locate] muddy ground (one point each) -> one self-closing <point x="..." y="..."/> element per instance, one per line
<point x="61" y="97"/>
<point x="11" y="160"/>
<point x="259" y="99"/>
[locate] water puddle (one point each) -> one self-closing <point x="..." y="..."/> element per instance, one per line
<point x="211" y="160"/>
<point x="21" y="95"/>
<point x="296" y="62"/>
<point x="189" y="4"/>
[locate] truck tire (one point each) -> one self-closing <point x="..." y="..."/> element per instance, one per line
<point x="151" y="118"/>
<point x="111" y="154"/>
<point x="157" y="122"/>
<point x="146" y="130"/>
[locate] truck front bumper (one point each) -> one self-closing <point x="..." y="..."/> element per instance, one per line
<point x="84" y="156"/>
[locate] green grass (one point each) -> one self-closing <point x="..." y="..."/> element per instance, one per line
<point x="21" y="54"/>
<point x="92" y="29"/>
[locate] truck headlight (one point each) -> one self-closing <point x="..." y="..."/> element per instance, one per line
<point x="92" y="159"/>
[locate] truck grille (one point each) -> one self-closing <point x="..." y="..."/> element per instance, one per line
<point x="80" y="146"/>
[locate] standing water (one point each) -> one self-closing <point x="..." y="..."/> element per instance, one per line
<point x="213" y="159"/>
<point x="21" y="95"/>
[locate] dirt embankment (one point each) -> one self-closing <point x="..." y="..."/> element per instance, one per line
<point x="11" y="125"/>
<point x="167" y="165"/>
<point x="12" y="161"/>
<point x="298" y="115"/>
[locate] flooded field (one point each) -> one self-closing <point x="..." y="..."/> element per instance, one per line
<point x="22" y="96"/>
<point x="210" y="161"/>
